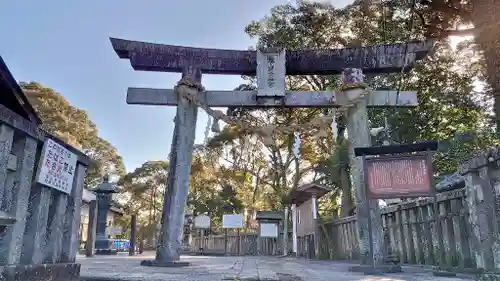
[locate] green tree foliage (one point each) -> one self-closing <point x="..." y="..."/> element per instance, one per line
<point x="446" y="82"/>
<point x="142" y="191"/>
<point x="443" y="18"/>
<point x="74" y="126"/>
<point x="211" y="191"/>
<point x="237" y="172"/>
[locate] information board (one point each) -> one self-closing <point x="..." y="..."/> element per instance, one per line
<point x="232" y="221"/>
<point x="202" y="221"/>
<point x="400" y="176"/>
<point x="56" y="168"/>
<point x="269" y="230"/>
<point x="114" y="230"/>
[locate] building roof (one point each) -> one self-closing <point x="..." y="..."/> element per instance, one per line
<point x="15" y="98"/>
<point x="305" y="192"/>
<point x="88" y="196"/>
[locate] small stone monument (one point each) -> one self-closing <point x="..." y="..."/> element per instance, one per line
<point x="104" y="191"/>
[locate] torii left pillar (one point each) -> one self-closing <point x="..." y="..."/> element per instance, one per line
<point x="175" y="198"/>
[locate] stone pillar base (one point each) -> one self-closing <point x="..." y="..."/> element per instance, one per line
<point x="488" y="277"/>
<point x="41" y="272"/>
<point x="379" y="269"/>
<point x="155" y="263"/>
<point x="442" y="273"/>
<point x="106" y="252"/>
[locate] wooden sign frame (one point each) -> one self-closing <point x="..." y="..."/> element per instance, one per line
<point x="416" y="191"/>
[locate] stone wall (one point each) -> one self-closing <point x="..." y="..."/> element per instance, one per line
<point x="39" y="238"/>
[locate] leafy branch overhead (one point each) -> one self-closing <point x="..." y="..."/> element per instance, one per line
<point x="446" y="82"/>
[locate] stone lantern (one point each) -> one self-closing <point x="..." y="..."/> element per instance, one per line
<point x="104" y="192"/>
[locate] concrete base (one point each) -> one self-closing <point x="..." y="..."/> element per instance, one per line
<point x="441" y="273"/>
<point x="488" y="277"/>
<point x="106" y="252"/>
<point x="379" y="269"/>
<point x="41" y="272"/>
<point x="155" y="263"/>
<point x="209" y="254"/>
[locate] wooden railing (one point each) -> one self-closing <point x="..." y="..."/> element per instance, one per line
<point x="243" y="243"/>
<point x="411" y="232"/>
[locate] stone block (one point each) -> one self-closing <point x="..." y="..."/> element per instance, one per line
<point x="378" y="270"/>
<point x="155" y="263"/>
<point x="41" y="272"/>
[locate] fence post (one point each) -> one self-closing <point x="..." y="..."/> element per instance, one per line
<point x="91" y="228"/>
<point x="239" y="242"/>
<point x="133" y="225"/>
<point x="225" y="241"/>
<point x="285" y="232"/>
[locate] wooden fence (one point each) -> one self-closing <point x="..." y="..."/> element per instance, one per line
<point x="411" y="233"/>
<point x="410" y="230"/>
<point x="245" y="242"/>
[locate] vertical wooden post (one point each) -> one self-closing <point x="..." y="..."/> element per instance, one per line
<point x="285" y="232"/>
<point x="314" y="210"/>
<point x="202" y="239"/>
<point x="133" y="226"/>
<point x="225" y="241"/>
<point x="359" y="136"/>
<point x="259" y="242"/>
<point x="239" y="242"/>
<point x="91" y="229"/>
<point x="294" y="229"/>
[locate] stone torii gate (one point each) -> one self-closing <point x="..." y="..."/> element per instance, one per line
<point x="270" y="66"/>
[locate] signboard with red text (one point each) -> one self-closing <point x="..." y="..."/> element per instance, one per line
<point x="57" y="167"/>
<point x="398" y="176"/>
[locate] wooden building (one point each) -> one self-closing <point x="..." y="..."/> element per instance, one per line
<point x="304" y="202"/>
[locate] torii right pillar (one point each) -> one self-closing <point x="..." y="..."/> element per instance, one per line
<point x="371" y="249"/>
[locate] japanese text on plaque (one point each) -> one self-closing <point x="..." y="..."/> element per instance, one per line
<point x="57" y="167"/>
<point x="398" y="177"/>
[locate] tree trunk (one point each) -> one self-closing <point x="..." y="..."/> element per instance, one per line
<point x="486" y="19"/>
<point x="346" y="204"/>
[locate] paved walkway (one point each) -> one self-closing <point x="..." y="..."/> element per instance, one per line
<point x="104" y="268"/>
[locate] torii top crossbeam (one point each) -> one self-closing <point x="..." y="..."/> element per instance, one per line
<point x="387" y="58"/>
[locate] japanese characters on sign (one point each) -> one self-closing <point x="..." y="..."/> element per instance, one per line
<point x="271" y="70"/>
<point x="398" y="176"/>
<point x="57" y="167"/>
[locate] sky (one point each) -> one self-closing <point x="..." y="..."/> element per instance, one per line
<point x="64" y="45"/>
